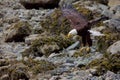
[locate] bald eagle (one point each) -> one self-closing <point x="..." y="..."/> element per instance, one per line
<point x="80" y="25"/>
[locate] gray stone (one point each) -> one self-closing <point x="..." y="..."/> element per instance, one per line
<point x="114" y="24"/>
<point x="30" y="38"/>
<point x="111" y="76"/>
<point x="114" y="48"/>
<point x="73" y="46"/>
<point x="82" y="61"/>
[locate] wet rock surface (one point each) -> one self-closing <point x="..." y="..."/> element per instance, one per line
<point x="34" y="45"/>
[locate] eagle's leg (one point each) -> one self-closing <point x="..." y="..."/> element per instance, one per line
<point x="87" y="42"/>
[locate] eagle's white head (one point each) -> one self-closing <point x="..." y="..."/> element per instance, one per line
<point x="72" y="33"/>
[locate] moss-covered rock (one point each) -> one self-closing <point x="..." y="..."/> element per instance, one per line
<point x="38" y="66"/>
<point x="18" y="31"/>
<point x="45" y="45"/>
<point x="4" y="62"/>
<point x="4" y="70"/>
<point x="13" y="69"/>
<point x="110" y="37"/>
<point x="86" y="12"/>
<point x="56" y="23"/>
<point x="81" y="7"/>
<point x="108" y="62"/>
<point x="18" y="71"/>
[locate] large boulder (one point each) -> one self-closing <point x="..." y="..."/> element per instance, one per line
<point x="18" y="31"/>
<point x="30" y="4"/>
<point x="114" y="48"/>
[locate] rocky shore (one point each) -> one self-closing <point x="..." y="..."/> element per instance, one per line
<point x="34" y="46"/>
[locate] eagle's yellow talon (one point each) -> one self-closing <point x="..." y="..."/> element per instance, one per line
<point x="82" y="49"/>
<point x="85" y="49"/>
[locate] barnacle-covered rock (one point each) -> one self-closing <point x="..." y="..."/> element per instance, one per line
<point x="18" y="31"/>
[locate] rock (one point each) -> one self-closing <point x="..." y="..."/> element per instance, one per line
<point x="114" y="24"/>
<point x="114" y="48"/>
<point x="103" y="42"/>
<point x="102" y="1"/>
<point x="111" y="76"/>
<point x="81" y="75"/>
<point x="112" y="3"/>
<point x="36" y="4"/>
<point x="93" y="72"/>
<point x="31" y="38"/>
<point x="7" y="55"/>
<point x="4" y="70"/>
<point x="73" y="46"/>
<point x="55" y="23"/>
<point x="109" y="62"/>
<point x="3" y="62"/>
<point x="86" y="59"/>
<point x="13" y="4"/>
<point x="39" y="66"/>
<point x="18" y="71"/>
<point x="59" y="71"/>
<point x="4" y="77"/>
<point x="46" y="45"/>
<point x="18" y="32"/>
<point x="55" y="78"/>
